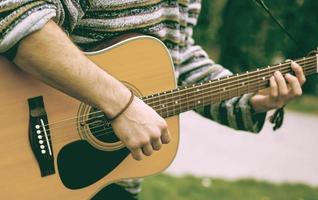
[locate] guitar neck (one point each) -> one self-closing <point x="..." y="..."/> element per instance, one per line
<point x="187" y="98"/>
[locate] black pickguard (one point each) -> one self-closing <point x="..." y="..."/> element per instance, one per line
<point x="80" y="164"/>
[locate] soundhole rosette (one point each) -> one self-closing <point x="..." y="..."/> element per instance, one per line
<point x="93" y="127"/>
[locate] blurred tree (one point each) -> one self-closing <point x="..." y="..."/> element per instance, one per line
<point x="246" y="36"/>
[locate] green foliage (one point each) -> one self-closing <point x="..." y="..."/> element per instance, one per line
<point x="164" y="187"/>
<point x="248" y="38"/>
<point x="306" y="104"/>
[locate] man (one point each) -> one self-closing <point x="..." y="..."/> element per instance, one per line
<point x="32" y="35"/>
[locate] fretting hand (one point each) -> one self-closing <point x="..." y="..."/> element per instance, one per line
<point x="282" y="89"/>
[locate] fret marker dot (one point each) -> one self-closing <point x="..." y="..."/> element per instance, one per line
<point x="264" y="78"/>
<point x="176" y="102"/>
<point x="198" y="90"/>
<point x="199" y="101"/>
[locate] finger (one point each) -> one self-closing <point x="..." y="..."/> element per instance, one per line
<point x="165" y="137"/>
<point x="273" y="88"/>
<point x="147" y="149"/>
<point x="136" y="154"/>
<point x="282" y="86"/>
<point x="299" y="72"/>
<point x="294" y="84"/>
<point x="156" y="144"/>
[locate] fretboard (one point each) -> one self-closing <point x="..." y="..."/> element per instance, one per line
<point x="185" y="98"/>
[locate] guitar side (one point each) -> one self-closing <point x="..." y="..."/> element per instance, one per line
<point x="142" y="63"/>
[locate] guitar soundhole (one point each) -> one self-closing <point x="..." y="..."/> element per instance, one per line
<point x="99" y="126"/>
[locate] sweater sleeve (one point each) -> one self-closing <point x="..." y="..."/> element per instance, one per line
<point x="20" y="18"/>
<point x="237" y="112"/>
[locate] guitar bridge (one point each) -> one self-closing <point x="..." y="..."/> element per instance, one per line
<point x="39" y="136"/>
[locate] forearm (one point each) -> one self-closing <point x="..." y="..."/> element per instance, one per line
<point x="49" y="55"/>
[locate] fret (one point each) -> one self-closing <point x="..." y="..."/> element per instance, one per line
<point x="248" y="83"/>
<point x="269" y="72"/>
<point x="187" y="98"/>
<point x="198" y="100"/>
<point x="163" y="103"/>
<point x="219" y="89"/>
<point x="227" y="91"/>
<point x="149" y="100"/>
<point x="154" y="102"/>
<point x="238" y="85"/>
<point x="195" y="96"/>
<point x="169" y="104"/>
<point x="181" y="100"/>
<point x="177" y="102"/>
<point x="159" y="103"/>
<point x="259" y="79"/>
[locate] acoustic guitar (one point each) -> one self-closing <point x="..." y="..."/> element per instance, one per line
<point x="54" y="147"/>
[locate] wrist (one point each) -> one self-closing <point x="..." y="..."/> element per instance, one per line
<point x="258" y="103"/>
<point x="113" y="118"/>
<point x="117" y="99"/>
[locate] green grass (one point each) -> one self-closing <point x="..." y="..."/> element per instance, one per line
<point x="166" y="187"/>
<point x="306" y="104"/>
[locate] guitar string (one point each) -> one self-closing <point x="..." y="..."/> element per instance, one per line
<point x="226" y="78"/>
<point x="312" y="71"/>
<point x="92" y="128"/>
<point x="229" y="88"/>
<point x="101" y="130"/>
<point x="174" y="97"/>
<point x="257" y="86"/>
<point x="221" y="80"/>
<point x="197" y="97"/>
<point x="155" y="107"/>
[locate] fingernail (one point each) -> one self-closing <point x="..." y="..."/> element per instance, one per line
<point x="293" y="64"/>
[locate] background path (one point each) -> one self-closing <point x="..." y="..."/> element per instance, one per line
<point x="287" y="155"/>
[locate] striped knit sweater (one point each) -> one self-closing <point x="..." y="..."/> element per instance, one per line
<point x="171" y="21"/>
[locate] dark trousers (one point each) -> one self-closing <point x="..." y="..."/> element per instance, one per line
<point x="114" y="192"/>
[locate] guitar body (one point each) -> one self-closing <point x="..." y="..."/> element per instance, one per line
<point x="80" y="167"/>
